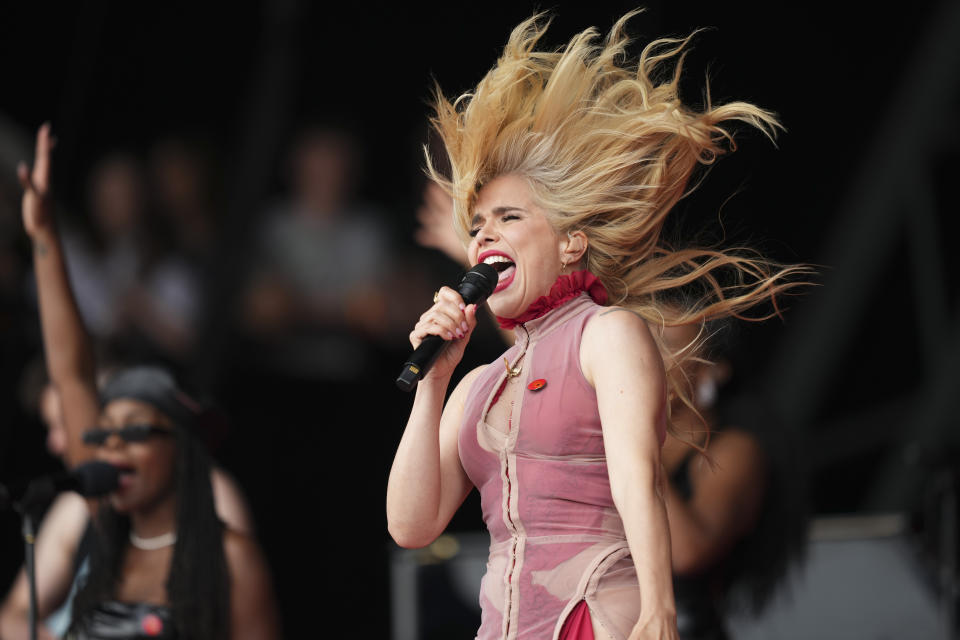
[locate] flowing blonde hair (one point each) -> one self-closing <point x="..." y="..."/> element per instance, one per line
<point x="608" y="148"/>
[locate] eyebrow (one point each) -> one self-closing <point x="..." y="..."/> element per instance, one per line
<point x="497" y="212"/>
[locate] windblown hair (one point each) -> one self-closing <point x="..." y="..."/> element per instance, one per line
<point x="198" y="587"/>
<point x="608" y="148"/>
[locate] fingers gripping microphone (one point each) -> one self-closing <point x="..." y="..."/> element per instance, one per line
<point x="477" y="284"/>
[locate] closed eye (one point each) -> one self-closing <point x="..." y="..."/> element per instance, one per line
<point x="502" y="213"/>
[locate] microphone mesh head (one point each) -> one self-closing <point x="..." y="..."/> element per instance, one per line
<point x="96" y="478"/>
<point x="478" y="283"/>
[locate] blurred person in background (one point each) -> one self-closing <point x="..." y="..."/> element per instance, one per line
<point x="138" y="291"/>
<point x="182" y="194"/>
<point x="105" y="261"/>
<point x="63" y="541"/>
<point x="161" y="560"/>
<point x="317" y="293"/>
<point x="735" y="500"/>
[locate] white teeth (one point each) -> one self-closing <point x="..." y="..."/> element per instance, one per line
<point x="492" y="259"/>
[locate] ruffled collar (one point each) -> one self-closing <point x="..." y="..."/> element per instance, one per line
<point x="566" y="288"/>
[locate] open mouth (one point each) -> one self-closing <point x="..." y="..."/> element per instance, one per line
<point x="125" y="474"/>
<point x="505" y="267"/>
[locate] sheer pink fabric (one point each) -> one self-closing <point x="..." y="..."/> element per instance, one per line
<point x="556" y="538"/>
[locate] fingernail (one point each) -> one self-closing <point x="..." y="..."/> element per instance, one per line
<point x="448" y="335"/>
<point x="459" y="333"/>
<point x="463" y="325"/>
<point x="462" y="306"/>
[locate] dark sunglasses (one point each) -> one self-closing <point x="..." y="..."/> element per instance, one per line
<point x="97" y="436"/>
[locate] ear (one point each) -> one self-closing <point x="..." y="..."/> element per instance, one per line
<point x="573" y="247"/>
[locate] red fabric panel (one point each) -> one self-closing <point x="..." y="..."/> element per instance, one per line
<point x="577" y="626"/>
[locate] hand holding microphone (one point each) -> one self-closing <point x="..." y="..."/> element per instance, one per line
<point x="445" y="322"/>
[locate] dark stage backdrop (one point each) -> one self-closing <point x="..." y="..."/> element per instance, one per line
<point x="241" y="78"/>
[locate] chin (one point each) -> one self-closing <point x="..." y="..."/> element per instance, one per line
<point x="120" y="505"/>
<point x="504" y="308"/>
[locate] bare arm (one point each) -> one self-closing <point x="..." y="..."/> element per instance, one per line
<point x="427" y="482"/>
<point x="253" y="607"/>
<point x="620" y="359"/>
<point x="230" y="502"/>
<point x="56" y="546"/>
<point x="725" y="503"/>
<point x="67" y="348"/>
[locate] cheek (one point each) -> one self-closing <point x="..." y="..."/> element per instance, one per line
<point x="156" y="464"/>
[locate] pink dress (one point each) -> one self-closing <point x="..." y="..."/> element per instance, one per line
<point x="556" y="538"/>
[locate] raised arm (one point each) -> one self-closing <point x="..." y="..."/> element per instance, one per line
<point x="427" y="482"/>
<point x="619" y="357"/>
<point x="67" y="348"/>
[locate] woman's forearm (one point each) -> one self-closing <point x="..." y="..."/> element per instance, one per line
<point x="414" y="489"/>
<point x="642" y="509"/>
<point x="67" y="348"/>
<point x="68" y="352"/>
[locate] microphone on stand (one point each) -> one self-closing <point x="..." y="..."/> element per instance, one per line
<point x="90" y="479"/>
<point x="477" y="284"/>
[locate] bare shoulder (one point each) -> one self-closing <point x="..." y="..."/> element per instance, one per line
<point x="66" y="520"/>
<point x="614" y="324"/>
<point x="467" y="380"/>
<point x="230" y="503"/>
<point x="460" y="392"/>
<point x="617" y="333"/>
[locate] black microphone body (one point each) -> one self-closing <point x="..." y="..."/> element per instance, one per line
<point x="90" y="479"/>
<point x="477" y="284"/>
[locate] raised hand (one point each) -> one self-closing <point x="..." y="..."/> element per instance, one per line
<point x="37" y="201"/>
<point x="453" y="321"/>
<point x="436" y="224"/>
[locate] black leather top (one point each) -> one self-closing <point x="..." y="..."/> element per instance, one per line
<point x="126" y="621"/>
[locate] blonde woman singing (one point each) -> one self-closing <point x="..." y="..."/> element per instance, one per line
<point x="564" y="166"/>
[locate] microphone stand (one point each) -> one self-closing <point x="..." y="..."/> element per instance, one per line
<point x="29" y="541"/>
<point x="28" y="507"/>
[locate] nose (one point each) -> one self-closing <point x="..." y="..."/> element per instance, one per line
<point x="114" y="441"/>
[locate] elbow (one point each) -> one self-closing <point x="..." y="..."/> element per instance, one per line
<point x="409" y="537"/>
<point x="639" y="487"/>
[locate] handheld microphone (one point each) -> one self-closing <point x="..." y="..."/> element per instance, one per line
<point x="90" y="479"/>
<point x="476" y="285"/>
